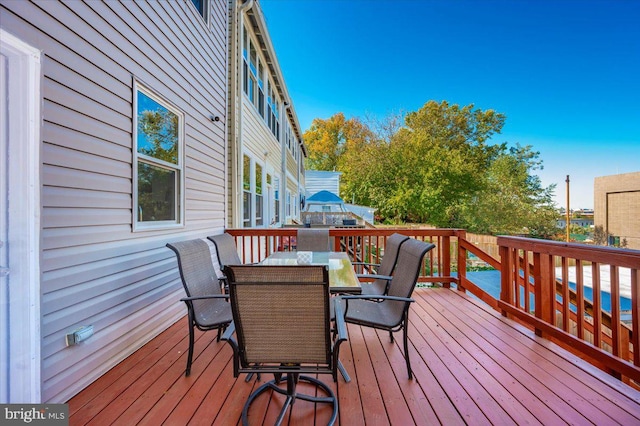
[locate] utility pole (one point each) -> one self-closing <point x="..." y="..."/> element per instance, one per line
<point x="568" y="211"/>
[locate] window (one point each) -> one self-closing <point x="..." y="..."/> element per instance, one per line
<point x="276" y="203"/>
<point x="246" y="191"/>
<point x="258" y="86"/>
<point x="259" y="196"/>
<point x="203" y="8"/>
<point x="260" y="89"/>
<point x="158" y="159"/>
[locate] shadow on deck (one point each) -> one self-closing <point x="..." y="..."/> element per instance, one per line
<point x="471" y="366"/>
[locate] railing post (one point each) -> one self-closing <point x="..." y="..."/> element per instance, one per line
<point x="462" y="263"/>
<point x="446" y="259"/>
<point x="544" y="296"/>
<point x="506" y="287"/>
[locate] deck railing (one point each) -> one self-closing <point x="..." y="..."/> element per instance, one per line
<point x="540" y="296"/>
<point x="574" y="304"/>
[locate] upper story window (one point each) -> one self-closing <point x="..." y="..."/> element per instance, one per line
<point x="253" y="72"/>
<point x="158" y="180"/>
<point x="203" y="8"/>
<point x="257" y="84"/>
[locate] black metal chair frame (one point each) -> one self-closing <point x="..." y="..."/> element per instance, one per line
<point x="200" y="249"/>
<point x="291" y="373"/>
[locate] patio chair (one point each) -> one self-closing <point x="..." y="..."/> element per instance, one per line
<point x="282" y="324"/>
<point x="309" y="239"/>
<point x="226" y="252"/>
<point x="390" y="312"/>
<point x="207" y="307"/>
<point x="382" y="273"/>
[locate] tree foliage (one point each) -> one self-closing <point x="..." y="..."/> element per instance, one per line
<point x="438" y="168"/>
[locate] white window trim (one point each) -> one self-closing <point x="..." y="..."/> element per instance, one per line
<point x="179" y="168"/>
<point x="253" y="191"/>
<point x="206" y="13"/>
<point x="23" y="379"/>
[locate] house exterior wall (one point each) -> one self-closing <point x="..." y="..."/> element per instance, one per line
<point x="616" y="206"/>
<point x="95" y="269"/>
<point x="250" y="133"/>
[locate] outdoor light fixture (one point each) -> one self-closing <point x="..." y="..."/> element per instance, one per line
<point x="79" y="334"/>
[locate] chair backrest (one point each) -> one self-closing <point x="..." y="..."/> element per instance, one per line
<point x="226" y="249"/>
<point x="310" y="239"/>
<point x="405" y="277"/>
<point x="391" y="250"/>
<point x="197" y="272"/>
<point x="281" y="313"/>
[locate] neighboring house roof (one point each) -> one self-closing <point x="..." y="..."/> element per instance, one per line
<point x="324" y="200"/>
<point x="325" y="197"/>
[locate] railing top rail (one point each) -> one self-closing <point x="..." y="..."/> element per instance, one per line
<point x="600" y="254"/>
<point x="350" y="231"/>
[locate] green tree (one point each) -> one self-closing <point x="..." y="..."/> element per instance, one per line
<point x="438" y="168"/>
<point x="513" y="200"/>
<point x="442" y="154"/>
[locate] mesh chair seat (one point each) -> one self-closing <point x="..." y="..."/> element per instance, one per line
<point x="387" y="315"/>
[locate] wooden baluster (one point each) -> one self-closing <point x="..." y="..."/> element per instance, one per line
<point x="580" y="298"/>
<point x="635" y="315"/>
<point x="566" y="300"/>
<point x="615" y="309"/>
<point x="597" y="304"/>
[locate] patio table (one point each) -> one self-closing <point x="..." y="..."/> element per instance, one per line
<point x="342" y="277"/>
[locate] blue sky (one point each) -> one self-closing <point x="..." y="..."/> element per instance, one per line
<point x="565" y="73"/>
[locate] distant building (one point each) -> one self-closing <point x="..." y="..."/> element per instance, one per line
<point x="616" y="207"/>
<point x="317" y="181"/>
<point x="584" y="222"/>
<point x="322" y="180"/>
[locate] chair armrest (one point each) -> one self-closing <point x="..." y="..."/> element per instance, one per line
<point x="377" y="297"/>
<point x="210" y="296"/>
<point x="341" y="325"/>
<point x="366" y="264"/>
<point x="228" y="334"/>
<point x="375" y="276"/>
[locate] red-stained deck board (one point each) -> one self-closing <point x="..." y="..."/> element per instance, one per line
<point x="538" y="374"/>
<point x="470" y="365"/>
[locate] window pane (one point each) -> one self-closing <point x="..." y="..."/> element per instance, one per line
<point x="245" y="43"/>
<point x="156" y="193"/>
<point x="246" y="202"/>
<point x="252" y="86"/>
<point x="157" y="130"/>
<point x="200" y="5"/>
<point x="246" y="173"/>
<point x="259" y="210"/>
<point x="258" y="179"/>
<point x="253" y="59"/>
<point x="276" y="195"/>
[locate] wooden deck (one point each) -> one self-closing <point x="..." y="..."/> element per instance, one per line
<point x="471" y="366"/>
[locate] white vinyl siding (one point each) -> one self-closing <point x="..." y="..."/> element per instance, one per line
<point x="95" y="269"/>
